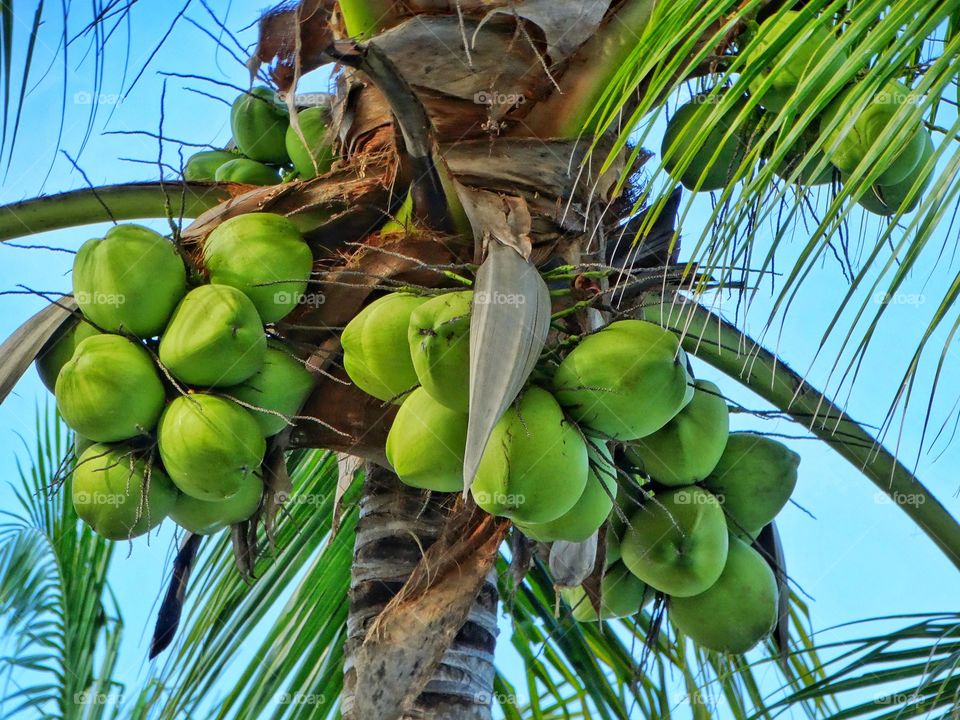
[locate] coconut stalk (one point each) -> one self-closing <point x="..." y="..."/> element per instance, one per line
<point x="725" y="347"/>
<point x="132" y="201"/>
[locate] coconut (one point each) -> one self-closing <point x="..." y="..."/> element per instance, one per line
<point x="755" y="477"/>
<point x="316" y="157"/>
<point x="130" y="281"/>
<point x="890" y="199"/>
<point x="110" y="389"/>
<point x="215" y="338"/>
<point x="787" y="69"/>
<point x="625" y="381"/>
<point x="426" y="444"/>
<point x="738" y="610"/>
<point x="202" y="166"/>
<point x="58" y="350"/>
<point x="621" y="594"/>
<point x="204" y="517"/>
<point x="376" y="354"/>
<point x="591" y="509"/>
<point x="687" y="448"/>
<point x="259" y="124"/>
<point x="108" y="492"/>
<point x="703" y="172"/>
<point x="209" y="445"/>
<point x="677" y="543"/>
<point x="535" y="465"/>
<point x="439" y="336"/>
<point x="848" y="146"/>
<point x="246" y="172"/>
<point x="265" y="256"/>
<point x="281" y="386"/>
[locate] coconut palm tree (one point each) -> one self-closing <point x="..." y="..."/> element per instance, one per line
<point x="503" y="145"/>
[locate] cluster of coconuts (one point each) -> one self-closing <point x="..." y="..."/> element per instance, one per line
<point x="906" y="171"/>
<point x="549" y="463"/>
<point x="171" y="382"/>
<point x="266" y="144"/>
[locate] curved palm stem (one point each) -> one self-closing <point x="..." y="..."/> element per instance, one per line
<point x="725" y="347"/>
<point x="131" y="201"/>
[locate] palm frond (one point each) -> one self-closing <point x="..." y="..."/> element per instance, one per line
<point x="752" y="222"/>
<point x="54" y="600"/>
<point x="296" y="607"/>
<point x="913" y="671"/>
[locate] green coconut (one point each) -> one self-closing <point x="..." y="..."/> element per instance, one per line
<point x="738" y="610"/>
<point x="888" y="200"/>
<point x="108" y="492"/>
<point x="110" y="389"/>
<point x="58" y="350"/>
<point x="209" y="445"/>
<point x="786" y="69"/>
<point x="202" y="166"/>
<point x="439" y="336"/>
<point x="622" y="594"/>
<point x="246" y="172"/>
<point x="677" y="543"/>
<point x="280" y="386"/>
<point x="129" y="281"/>
<point x="316" y="157"/>
<point x="687" y="448"/>
<point x="204" y="517"/>
<point x="259" y="123"/>
<point x="754" y="478"/>
<point x="376" y="354"/>
<point x="215" y="338"/>
<point x="265" y="256"/>
<point x="426" y="443"/>
<point x="591" y="509"/>
<point x="847" y="147"/>
<point x="625" y="381"/>
<point x="717" y="155"/>
<point x="535" y="465"/>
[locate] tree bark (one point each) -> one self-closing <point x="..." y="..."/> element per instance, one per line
<point x="397" y="524"/>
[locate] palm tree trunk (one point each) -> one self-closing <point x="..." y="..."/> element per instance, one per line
<point x="397" y="524"/>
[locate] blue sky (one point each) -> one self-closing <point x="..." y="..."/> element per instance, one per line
<point x="853" y="553"/>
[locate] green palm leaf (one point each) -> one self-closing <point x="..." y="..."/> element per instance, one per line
<point x="54" y="597"/>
